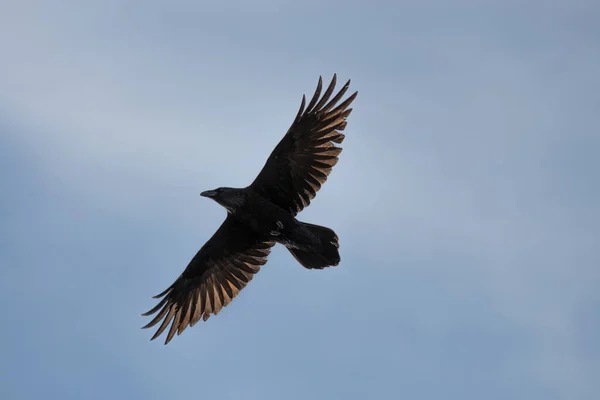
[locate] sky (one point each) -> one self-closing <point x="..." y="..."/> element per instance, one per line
<point x="466" y="199"/>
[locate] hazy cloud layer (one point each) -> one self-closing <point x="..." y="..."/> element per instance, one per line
<point x="466" y="199"/>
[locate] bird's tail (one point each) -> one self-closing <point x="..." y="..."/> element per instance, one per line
<point x="319" y="256"/>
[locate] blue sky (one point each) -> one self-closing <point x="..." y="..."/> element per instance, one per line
<point x="466" y="198"/>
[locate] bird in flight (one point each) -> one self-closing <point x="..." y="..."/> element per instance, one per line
<point x="262" y="214"/>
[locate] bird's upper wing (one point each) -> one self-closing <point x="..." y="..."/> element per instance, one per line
<point x="303" y="159"/>
<point x="216" y="274"/>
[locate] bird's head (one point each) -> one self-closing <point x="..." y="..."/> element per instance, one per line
<point x="229" y="198"/>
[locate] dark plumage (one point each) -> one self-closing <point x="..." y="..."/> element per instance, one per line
<point x="262" y="214"/>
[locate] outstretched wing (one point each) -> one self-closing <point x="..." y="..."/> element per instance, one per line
<point x="303" y="159"/>
<point x="216" y="274"/>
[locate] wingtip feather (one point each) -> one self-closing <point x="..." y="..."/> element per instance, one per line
<point x="164" y="292"/>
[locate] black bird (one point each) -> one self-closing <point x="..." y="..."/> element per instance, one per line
<point x="262" y="214"/>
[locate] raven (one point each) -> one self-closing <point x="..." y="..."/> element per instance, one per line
<point x="262" y="214"/>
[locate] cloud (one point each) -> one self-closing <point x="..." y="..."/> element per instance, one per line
<point x="463" y="198"/>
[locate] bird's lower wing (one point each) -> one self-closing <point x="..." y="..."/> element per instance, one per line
<point x="216" y="274"/>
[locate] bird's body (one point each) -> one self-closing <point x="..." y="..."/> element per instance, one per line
<point x="261" y="215"/>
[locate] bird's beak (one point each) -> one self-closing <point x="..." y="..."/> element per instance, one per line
<point x="209" y="193"/>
